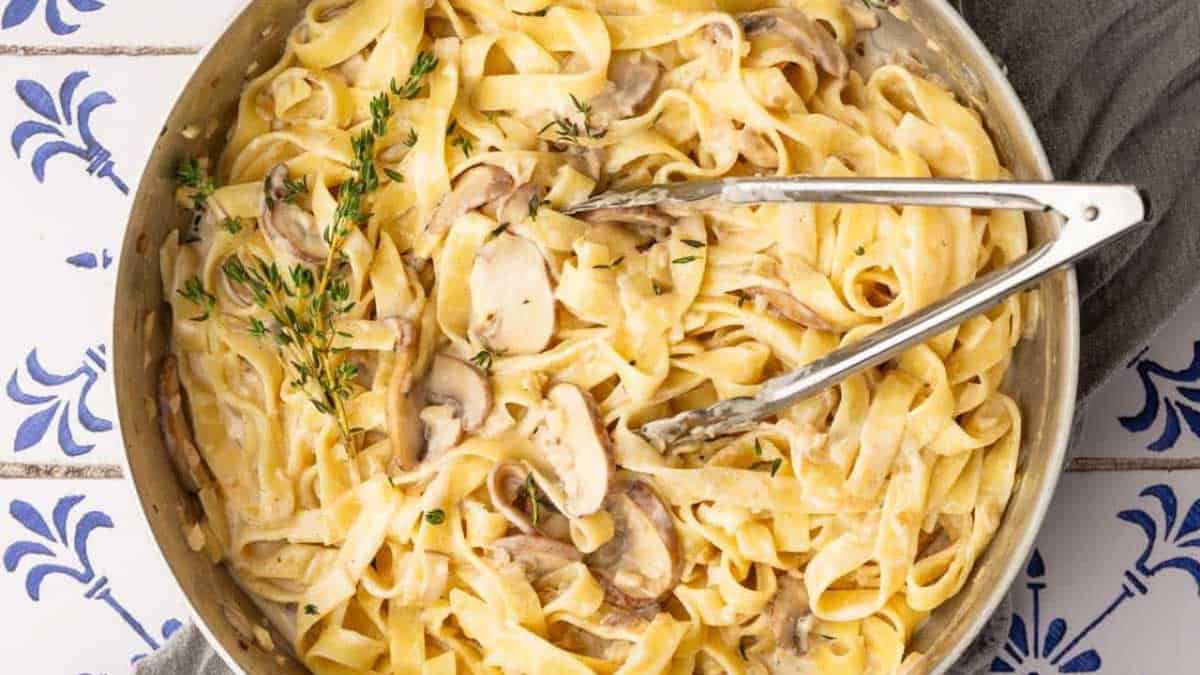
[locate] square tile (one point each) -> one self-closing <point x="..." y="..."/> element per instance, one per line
<point x="84" y="587"/>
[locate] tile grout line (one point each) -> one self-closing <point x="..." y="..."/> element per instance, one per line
<point x="1097" y="464"/>
<point x="23" y="470"/>
<point x="33" y="471"/>
<point x="98" y="50"/>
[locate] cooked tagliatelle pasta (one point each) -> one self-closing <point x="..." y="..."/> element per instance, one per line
<point x="405" y="387"/>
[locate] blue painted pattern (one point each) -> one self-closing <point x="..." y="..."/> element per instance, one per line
<point x="58" y="547"/>
<point x="17" y="12"/>
<point x="88" y="260"/>
<point x="63" y="390"/>
<point x="1180" y="399"/>
<point x="55" y="117"/>
<point x="1172" y="543"/>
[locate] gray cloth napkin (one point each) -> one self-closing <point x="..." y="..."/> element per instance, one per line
<point x="1113" y="87"/>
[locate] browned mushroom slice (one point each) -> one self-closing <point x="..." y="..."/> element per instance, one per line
<point x="516" y="207"/>
<point x="789" y="616"/>
<point x="808" y="36"/>
<point x="472" y="189"/>
<point x="580" y="641"/>
<point x="640" y="564"/>
<point x="587" y="160"/>
<point x="507" y="485"/>
<point x="461" y="386"/>
<point x="645" y="220"/>
<point x="288" y="227"/>
<point x="176" y="432"/>
<point x="403" y="402"/>
<point x="633" y="78"/>
<point x="537" y="556"/>
<point x="512" y="297"/>
<point x="788" y="307"/>
<point x="573" y="439"/>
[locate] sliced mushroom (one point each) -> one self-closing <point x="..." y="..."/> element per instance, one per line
<point x="808" y="36"/>
<point x="537" y="556"/>
<point x="515" y="207"/>
<point x="646" y="220"/>
<point x="443" y="430"/>
<point x="789" y="615"/>
<point x="288" y="227"/>
<point x="404" y="402"/>
<point x="580" y="641"/>
<point x="507" y="486"/>
<point x="757" y="149"/>
<point x="632" y="78"/>
<point x="640" y="565"/>
<point x="573" y="439"/>
<point x="587" y="160"/>
<point x="473" y="188"/>
<point x="461" y="386"/>
<point x="512" y="297"/>
<point x="787" y="306"/>
<point x="176" y="432"/>
<point x="240" y="294"/>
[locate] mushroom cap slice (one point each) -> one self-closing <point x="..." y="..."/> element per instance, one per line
<point x="443" y="430"/>
<point x="789" y="616"/>
<point x="640" y="564"/>
<point x="506" y="485"/>
<point x="288" y="227"/>
<point x="645" y="220"/>
<point x="806" y="34"/>
<point x="787" y="306"/>
<point x="633" y="78"/>
<point x="461" y="386"/>
<point x="512" y="297"/>
<point x="472" y="189"/>
<point x="403" y="402"/>
<point x="537" y="556"/>
<point x="573" y="439"/>
<point x="176" y="432"/>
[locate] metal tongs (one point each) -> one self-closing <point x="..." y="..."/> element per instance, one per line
<point x="1094" y="214"/>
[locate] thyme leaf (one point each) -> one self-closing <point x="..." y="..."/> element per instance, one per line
<point x="424" y="64"/>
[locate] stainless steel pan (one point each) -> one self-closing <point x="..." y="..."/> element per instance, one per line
<point x="1043" y="376"/>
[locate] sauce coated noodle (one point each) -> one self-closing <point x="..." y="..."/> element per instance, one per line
<point x="487" y="508"/>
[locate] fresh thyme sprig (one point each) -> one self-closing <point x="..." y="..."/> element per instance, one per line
<point x="293" y="189"/>
<point x="424" y="64"/>
<point x="193" y="290"/>
<point x="411" y="140"/>
<point x="568" y="130"/>
<point x="464" y="144"/>
<point x="192" y="174"/>
<point x="483" y="359"/>
<point x="304" y="304"/>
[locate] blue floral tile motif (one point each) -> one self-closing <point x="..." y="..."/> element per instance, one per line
<point x="17" y="12"/>
<point x="63" y="551"/>
<point x="74" y="386"/>
<point x="1033" y="647"/>
<point x="88" y="260"/>
<point x="57" y="116"/>
<point x="1181" y="399"/>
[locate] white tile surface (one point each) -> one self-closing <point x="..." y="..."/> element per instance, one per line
<point x="118" y="22"/>
<point x="1128" y="419"/>
<point x="70" y="215"/>
<point x="104" y="596"/>
<point x="1142" y="613"/>
<point x="1089" y="553"/>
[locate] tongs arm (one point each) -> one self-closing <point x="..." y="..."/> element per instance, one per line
<point x="1095" y="214"/>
